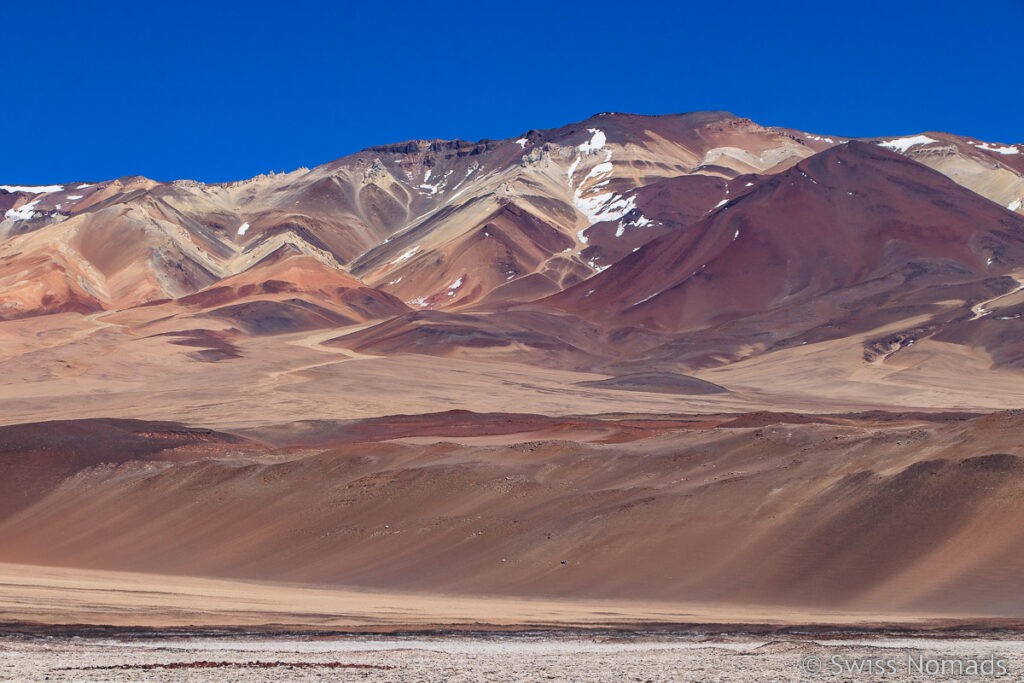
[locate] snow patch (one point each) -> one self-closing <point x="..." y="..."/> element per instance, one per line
<point x="84" y="185"/>
<point x="596" y="142"/>
<point x="603" y="207"/>
<point x="735" y="235"/>
<point x="75" y="196"/>
<point x="1015" y="204"/>
<point x="641" y="221"/>
<point x="572" y="168"/>
<point x="436" y="187"/>
<point x="647" y="298"/>
<point x="243" y="228"/>
<point x="406" y="256"/>
<point x="901" y="145"/>
<point x="521" y="142"/>
<point x="601" y="169"/>
<point x="998" y="149"/>
<point x="22" y="213"/>
<point x="32" y="189"/>
<point x="606" y="206"/>
<point x="396" y="280"/>
<point x="454" y="286"/>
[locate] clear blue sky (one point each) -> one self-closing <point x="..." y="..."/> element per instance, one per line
<point x="223" y="90"/>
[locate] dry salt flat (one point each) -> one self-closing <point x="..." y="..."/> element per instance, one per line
<point x="495" y="658"/>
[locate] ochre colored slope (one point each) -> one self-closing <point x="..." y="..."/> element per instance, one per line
<point x="827" y="513"/>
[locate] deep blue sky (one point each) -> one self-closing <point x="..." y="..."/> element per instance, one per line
<point x="223" y="90"/>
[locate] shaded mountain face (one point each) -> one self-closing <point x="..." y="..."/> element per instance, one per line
<point x="694" y="239"/>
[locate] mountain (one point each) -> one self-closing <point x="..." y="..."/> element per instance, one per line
<point x="618" y="245"/>
<point x="681" y="359"/>
<point x="846" y="241"/>
<point x="440" y="224"/>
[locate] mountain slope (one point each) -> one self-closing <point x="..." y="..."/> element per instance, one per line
<point x="843" y="239"/>
<point x="488" y="226"/>
<point x="365" y="212"/>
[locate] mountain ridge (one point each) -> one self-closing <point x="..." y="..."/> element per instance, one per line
<point x="508" y="234"/>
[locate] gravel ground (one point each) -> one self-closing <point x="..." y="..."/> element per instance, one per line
<point x="505" y="658"/>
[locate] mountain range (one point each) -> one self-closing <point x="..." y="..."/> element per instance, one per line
<point x="682" y="358"/>
<point x="695" y="239"/>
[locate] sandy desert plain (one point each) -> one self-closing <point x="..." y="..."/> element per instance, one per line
<point x="640" y="398"/>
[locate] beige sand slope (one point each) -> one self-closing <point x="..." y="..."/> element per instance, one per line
<point x="870" y="514"/>
<point x="33" y="595"/>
